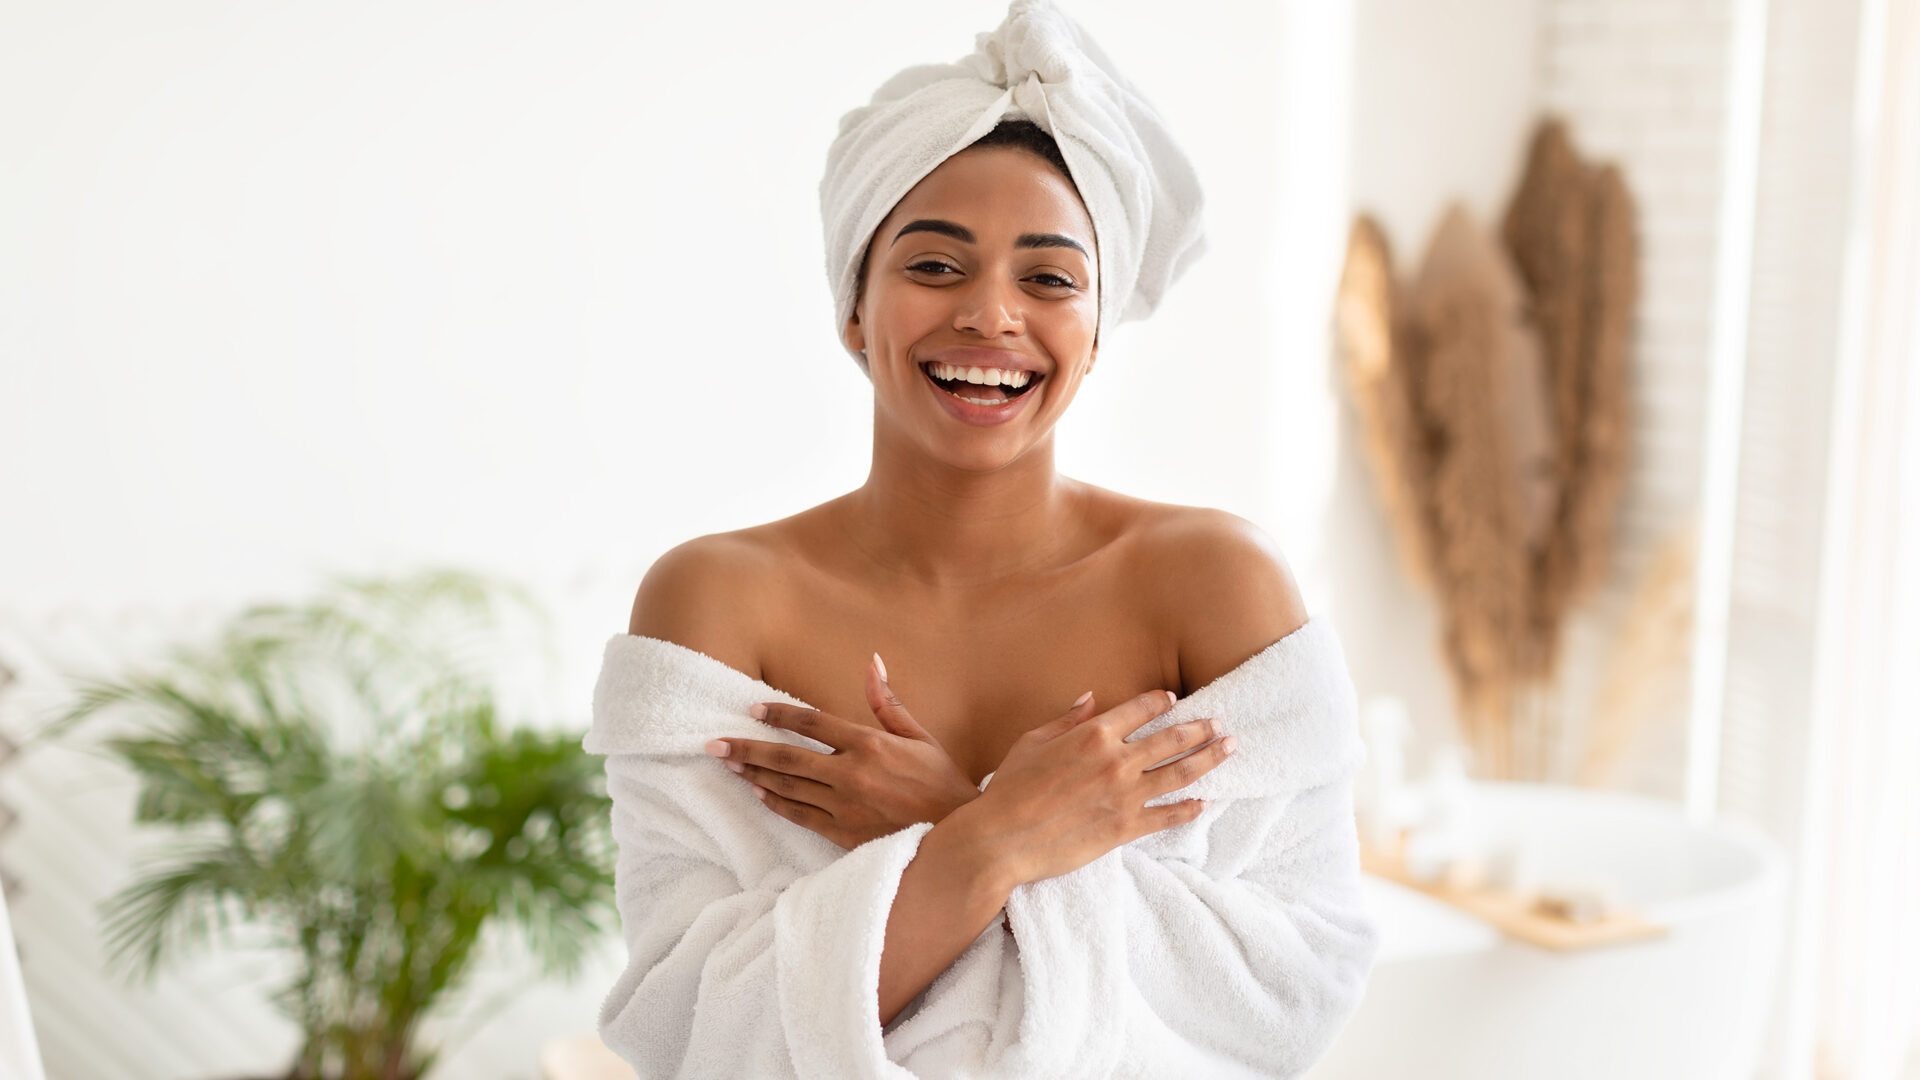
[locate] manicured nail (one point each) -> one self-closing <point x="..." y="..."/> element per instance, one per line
<point x="1172" y="699"/>
<point x="882" y="665"/>
<point x="758" y="711"/>
<point x="1230" y="745"/>
<point x="1082" y="699"/>
<point x="735" y="766"/>
<point x="760" y="793"/>
<point x="1214" y="726"/>
<point x="717" y="747"/>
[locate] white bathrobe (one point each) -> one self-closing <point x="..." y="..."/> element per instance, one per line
<point x="1236" y="945"/>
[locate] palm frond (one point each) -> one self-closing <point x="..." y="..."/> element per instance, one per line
<point x="180" y="904"/>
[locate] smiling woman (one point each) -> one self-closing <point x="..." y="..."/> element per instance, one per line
<point x="841" y="892"/>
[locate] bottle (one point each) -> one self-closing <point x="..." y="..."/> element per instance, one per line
<point x="1448" y="840"/>
<point x="1383" y="784"/>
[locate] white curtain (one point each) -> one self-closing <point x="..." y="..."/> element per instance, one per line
<point x="1867" y="695"/>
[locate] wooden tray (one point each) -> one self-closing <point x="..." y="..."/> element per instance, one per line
<point x="1512" y="913"/>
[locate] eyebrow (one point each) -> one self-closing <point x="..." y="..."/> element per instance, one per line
<point x="965" y="235"/>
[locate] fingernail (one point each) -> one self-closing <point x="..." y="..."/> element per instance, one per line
<point x="882" y="665"/>
<point x="1230" y="745"/>
<point x="735" y="766"/>
<point x="1172" y="699"/>
<point x="717" y="747"/>
<point x="760" y="793"/>
<point x="1082" y="699"/>
<point x="758" y="711"/>
<point x="1214" y="726"/>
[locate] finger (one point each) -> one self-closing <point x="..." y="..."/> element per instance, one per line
<point x="1080" y="710"/>
<point x="812" y="723"/>
<point x="782" y="757"/>
<point x="797" y="788"/>
<point x="811" y="817"/>
<point x="1176" y="775"/>
<point x="1131" y="715"/>
<point x="1176" y="739"/>
<point x="1155" y="818"/>
<point x="887" y="708"/>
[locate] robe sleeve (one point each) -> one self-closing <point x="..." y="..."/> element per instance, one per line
<point x="737" y="964"/>
<point x="1236" y="944"/>
<point x="1253" y="953"/>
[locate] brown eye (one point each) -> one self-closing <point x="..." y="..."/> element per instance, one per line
<point x="930" y="266"/>
<point x="1054" y="281"/>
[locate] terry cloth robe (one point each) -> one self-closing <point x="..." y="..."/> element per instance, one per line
<point x="1234" y="945"/>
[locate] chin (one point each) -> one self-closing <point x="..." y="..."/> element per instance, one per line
<point x="980" y="451"/>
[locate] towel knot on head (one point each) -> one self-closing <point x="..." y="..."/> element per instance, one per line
<point x="1140" y="190"/>
<point x="1024" y="47"/>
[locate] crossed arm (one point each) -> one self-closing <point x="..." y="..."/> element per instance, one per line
<point x="1238" y="939"/>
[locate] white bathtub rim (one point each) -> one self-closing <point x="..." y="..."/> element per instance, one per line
<point x="1769" y="860"/>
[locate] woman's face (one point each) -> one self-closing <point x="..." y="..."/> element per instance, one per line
<point x="988" y="262"/>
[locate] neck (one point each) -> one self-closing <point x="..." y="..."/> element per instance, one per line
<point x="940" y="526"/>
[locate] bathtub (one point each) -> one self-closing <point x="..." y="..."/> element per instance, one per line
<point x="1451" y="998"/>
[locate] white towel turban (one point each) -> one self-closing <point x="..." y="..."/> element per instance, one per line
<point x="1138" y="186"/>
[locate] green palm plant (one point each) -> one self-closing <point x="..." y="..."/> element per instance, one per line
<point x="338" y="774"/>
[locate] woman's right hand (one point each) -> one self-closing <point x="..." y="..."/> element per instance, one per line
<point x="1073" y="789"/>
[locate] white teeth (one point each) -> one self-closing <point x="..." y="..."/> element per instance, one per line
<point x="983" y="376"/>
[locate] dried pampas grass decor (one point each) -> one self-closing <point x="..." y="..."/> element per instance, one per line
<point x="1375" y="355"/>
<point x="1492" y="398"/>
<point x="1571" y="230"/>
<point x="1650" y="650"/>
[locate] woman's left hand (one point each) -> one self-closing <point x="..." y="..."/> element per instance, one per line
<point x="875" y="782"/>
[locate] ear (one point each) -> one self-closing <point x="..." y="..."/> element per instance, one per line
<point x="1092" y="355"/>
<point x="853" y="334"/>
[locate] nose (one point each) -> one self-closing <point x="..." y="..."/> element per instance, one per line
<point x="990" y="305"/>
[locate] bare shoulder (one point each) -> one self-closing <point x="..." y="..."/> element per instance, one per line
<point x="1222" y="586"/>
<point x="699" y="594"/>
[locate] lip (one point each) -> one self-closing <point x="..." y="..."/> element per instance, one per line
<point x="969" y="413"/>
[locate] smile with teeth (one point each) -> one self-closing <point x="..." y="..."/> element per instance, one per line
<point x="952" y="379"/>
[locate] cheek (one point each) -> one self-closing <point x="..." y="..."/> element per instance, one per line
<point x="1069" y="333"/>
<point x="907" y="313"/>
<point x="1076" y="319"/>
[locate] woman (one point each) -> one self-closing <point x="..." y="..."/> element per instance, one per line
<point x="1030" y="623"/>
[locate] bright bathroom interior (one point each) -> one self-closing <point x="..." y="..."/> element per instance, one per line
<point x="293" y="291"/>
